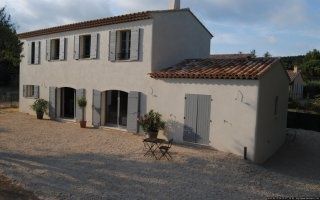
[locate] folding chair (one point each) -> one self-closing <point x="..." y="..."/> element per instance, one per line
<point x="164" y="149"/>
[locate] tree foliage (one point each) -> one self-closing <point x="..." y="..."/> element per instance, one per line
<point x="312" y="55"/>
<point x="311" y="69"/>
<point x="10" y="45"/>
<point x="267" y="55"/>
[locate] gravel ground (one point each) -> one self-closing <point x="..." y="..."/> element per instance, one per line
<point x="61" y="161"/>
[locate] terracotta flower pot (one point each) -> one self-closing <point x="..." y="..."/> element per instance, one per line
<point x="83" y="124"/>
<point x="39" y="115"/>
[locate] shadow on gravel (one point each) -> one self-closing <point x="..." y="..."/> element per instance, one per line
<point x="300" y="158"/>
<point x="117" y="177"/>
<point x="9" y="191"/>
<point x="88" y="176"/>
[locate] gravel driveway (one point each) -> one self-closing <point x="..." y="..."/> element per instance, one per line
<point x="61" y="161"/>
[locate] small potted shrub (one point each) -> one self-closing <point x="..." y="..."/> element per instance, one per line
<point x="151" y="123"/>
<point x="40" y="106"/>
<point x="82" y="102"/>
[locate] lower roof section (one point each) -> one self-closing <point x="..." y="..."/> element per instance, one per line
<point x="218" y="68"/>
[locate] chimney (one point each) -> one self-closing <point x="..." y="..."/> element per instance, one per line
<point x="295" y="69"/>
<point x="174" y="4"/>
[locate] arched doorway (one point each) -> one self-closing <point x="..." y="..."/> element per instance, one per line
<point x="116" y="108"/>
<point x="67" y="102"/>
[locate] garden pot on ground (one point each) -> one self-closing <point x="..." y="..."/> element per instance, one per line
<point x="39" y="115"/>
<point x="83" y="124"/>
<point x="153" y="134"/>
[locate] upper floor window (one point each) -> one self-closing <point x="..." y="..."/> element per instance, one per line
<point x="56" y="49"/>
<point x="34" y="53"/>
<point x="124" y="45"/>
<point x="85" y="46"/>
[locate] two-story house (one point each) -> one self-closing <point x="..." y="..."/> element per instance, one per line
<point x="129" y="64"/>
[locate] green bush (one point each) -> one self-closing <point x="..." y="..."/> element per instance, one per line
<point x="151" y="122"/>
<point x="82" y="102"/>
<point x="312" y="89"/>
<point x="40" y="106"/>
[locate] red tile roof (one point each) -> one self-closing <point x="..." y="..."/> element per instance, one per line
<point x="88" y="24"/>
<point x="211" y="68"/>
<point x="101" y="22"/>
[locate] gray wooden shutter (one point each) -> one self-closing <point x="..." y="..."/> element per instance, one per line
<point x="134" y="47"/>
<point x="94" y="46"/>
<point x="37" y="53"/>
<point x="190" y="118"/>
<point x="29" y="53"/>
<point x="133" y="112"/>
<point x="52" y="102"/>
<point x="36" y="91"/>
<point x="79" y="112"/>
<point x="96" y="108"/>
<point x="24" y="91"/>
<point x="76" y="47"/>
<point x="62" y="48"/>
<point x="203" y="119"/>
<point x="48" y="48"/>
<point x="112" y="45"/>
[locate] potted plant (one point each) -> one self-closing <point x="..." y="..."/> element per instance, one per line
<point x="82" y="102"/>
<point x="151" y="123"/>
<point x="40" y="106"/>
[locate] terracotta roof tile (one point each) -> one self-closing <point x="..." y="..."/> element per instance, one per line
<point x="102" y="22"/>
<point x="88" y="24"/>
<point x="211" y="68"/>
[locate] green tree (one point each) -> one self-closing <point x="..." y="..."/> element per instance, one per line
<point x="267" y="55"/>
<point x="253" y="53"/>
<point x="311" y="69"/>
<point x="10" y="45"/>
<point x="312" y="55"/>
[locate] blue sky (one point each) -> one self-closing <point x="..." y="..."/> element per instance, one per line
<point x="282" y="27"/>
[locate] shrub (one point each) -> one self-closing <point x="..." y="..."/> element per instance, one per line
<point x="40" y="106"/>
<point x="151" y="122"/>
<point x="82" y="102"/>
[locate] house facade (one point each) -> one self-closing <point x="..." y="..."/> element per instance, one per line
<point x="296" y="85"/>
<point x="127" y="65"/>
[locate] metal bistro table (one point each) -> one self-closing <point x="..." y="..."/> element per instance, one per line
<point x="152" y="144"/>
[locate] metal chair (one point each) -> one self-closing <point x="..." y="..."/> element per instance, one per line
<point x="164" y="149"/>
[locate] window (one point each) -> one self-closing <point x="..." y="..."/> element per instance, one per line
<point x="276" y="104"/>
<point x="29" y="91"/>
<point x="33" y="52"/>
<point x="54" y="49"/>
<point x="85" y="46"/>
<point x="123" y="45"/>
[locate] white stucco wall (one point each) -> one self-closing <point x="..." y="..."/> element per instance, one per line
<point x="271" y="128"/>
<point x="178" y="36"/>
<point x="233" y="110"/>
<point x="99" y="74"/>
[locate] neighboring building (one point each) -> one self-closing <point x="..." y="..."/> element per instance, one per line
<point x="127" y="65"/>
<point x="296" y="84"/>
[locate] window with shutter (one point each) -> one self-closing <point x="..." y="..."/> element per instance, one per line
<point x="85" y="46"/>
<point x="31" y="91"/>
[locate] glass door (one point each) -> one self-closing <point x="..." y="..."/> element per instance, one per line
<point x="116" y="108"/>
